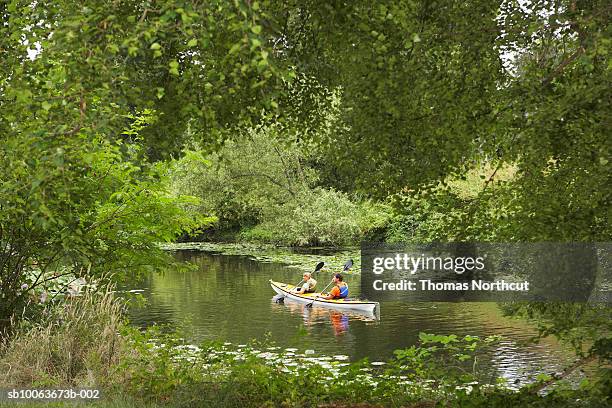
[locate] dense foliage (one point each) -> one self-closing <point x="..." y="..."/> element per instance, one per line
<point x="80" y="206"/>
<point x="78" y="83"/>
<point x="266" y="189"/>
<point x="424" y="91"/>
<point x="480" y="120"/>
<point x="426" y="94"/>
<point x="139" y="368"/>
<point x="199" y="65"/>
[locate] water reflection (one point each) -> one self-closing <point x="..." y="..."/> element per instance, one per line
<point x="228" y="298"/>
<point x="312" y="316"/>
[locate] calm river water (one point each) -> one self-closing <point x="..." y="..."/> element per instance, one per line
<point x="229" y="298"/>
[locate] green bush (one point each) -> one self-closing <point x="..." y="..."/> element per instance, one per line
<point x="83" y="201"/>
<point x="244" y="178"/>
<point x="321" y="217"/>
<point x="258" y="233"/>
<point x="263" y="187"/>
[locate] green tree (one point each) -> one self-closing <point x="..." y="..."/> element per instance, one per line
<point x="78" y="83"/>
<point x="417" y="81"/>
<point x="265" y="185"/>
<point x="79" y="205"/>
<point x="246" y="178"/>
<point x="202" y="65"/>
<point x="426" y="93"/>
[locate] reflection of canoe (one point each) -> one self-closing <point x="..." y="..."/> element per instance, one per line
<point x="313" y="315"/>
<point x="342" y="304"/>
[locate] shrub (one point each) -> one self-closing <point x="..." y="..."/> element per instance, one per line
<point x="320" y="217"/>
<point x="258" y="233"/>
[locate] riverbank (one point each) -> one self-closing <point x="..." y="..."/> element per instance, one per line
<point x="86" y="344"/>
<point x="301" y="258"/>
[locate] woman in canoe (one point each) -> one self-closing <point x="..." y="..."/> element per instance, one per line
<point x="340" y="291"/>
<point x="309" y="284"/>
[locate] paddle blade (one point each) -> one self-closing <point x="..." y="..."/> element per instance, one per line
<point x="319" y="266"/>
<point x="348" y="265"/>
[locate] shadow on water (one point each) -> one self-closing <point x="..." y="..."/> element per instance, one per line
<point x="229" y="298"/>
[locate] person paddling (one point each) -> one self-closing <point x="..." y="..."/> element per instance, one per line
<point x="309" y="284"/>
<point x="340" y="290"/>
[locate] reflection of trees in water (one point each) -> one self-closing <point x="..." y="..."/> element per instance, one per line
<point x="221" y="295"/>
<point x="556" y="271"/>
<point x="229" y="298"/>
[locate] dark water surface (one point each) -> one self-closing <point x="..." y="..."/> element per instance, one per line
<point x="229" y="298"/>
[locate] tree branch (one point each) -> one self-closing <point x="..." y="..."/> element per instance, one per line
<point x="564" y="374"/>
<point x="562" y="65"/>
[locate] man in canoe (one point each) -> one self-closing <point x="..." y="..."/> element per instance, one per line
<point x="340" y="290"/>
<point x="309" y="284"/>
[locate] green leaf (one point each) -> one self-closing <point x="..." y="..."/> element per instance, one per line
<point x="173" y="67"/>
<point x="235" y="48"/>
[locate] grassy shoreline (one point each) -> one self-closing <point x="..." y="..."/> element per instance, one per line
<point x="85" y="343"/>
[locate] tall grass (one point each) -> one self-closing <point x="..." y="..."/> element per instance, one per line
<point x="77" y="345"/>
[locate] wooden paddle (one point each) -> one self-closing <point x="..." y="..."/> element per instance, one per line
<point x="347" y="266"/>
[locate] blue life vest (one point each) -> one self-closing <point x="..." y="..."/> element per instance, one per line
<point x="343" y="291"/>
